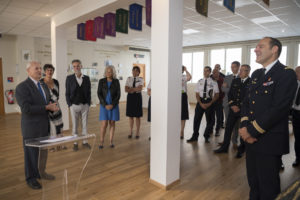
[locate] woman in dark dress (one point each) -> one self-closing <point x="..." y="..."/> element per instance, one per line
<point x="134" y="109"/>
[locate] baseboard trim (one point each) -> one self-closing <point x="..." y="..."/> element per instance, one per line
<point x="164" y="187"/>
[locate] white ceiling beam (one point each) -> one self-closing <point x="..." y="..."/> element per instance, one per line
<point x="80" y="9"/>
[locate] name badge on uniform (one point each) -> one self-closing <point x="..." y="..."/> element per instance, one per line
<point x="268" y="83"/>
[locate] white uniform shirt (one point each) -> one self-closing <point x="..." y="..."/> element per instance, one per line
<point x="138" y="81"/>
<point x="211" y="85"/>
<point x="184" y="83"/>
<point x="294" y="105"/>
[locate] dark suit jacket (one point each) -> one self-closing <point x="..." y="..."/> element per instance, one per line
<point x="34" y="120"/>
<point x="71" y="86"/>
<point x="115" y="91"/>
<point x="266" y="108"/>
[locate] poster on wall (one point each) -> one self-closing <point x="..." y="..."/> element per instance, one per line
<point x="26" y="57"/>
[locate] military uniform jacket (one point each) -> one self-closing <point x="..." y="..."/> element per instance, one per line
<point x="238" y="92"/>
<point x="266" y="108"/>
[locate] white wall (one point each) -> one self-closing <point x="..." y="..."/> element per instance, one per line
<point x="9" y="60"/>
<point x="88" y="52"/>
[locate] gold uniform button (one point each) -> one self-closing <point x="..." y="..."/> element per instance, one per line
<point x="251" y="112"/>
<point x="266" y="91"/>
<point x="256" y="92"/>
<point x="253" y="102"/>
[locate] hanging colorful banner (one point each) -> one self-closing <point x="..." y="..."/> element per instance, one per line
<point x="110" y="24"/>
<point x="99" y="31"/>
<point x="89" y="28"/>
<point x="148" y="12"/>
<point x="230" y="4"/>
<point x="135" y="16"/>
<point x="122" y="20"/>
<point x="267" y="2"/>
<point x="81" y="31"/>
<point x="202" y="7"/>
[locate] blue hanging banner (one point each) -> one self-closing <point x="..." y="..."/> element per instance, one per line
<point x="81" y="31"/>
<point x="230" y="4"/>
<point x="135" y="16"/>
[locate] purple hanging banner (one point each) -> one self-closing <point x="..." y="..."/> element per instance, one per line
<point x="148" y="12"/>
<point x="110" y="24"/>
<point x="81" y="31"/>
<point x="99" y="31"/>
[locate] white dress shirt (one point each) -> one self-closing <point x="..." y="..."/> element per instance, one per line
<point x="211" y="85"/>
<point x="184" y="84"/>
<point x="79" y="79"/>
<point x="268" y="67"/>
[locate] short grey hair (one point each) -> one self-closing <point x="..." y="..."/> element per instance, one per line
<point x="30" y="63"/>
<point x="113" y="70"/>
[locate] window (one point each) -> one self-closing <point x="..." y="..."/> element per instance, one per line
<point x="233" y="54"/>
<point x="198" y="60"/>
<point x="283" y="55"/>
<point x="254" y="65"/>
<point x="299" y="55"/>
<point x="217" y="56"/>
<point x="194" y="64"/>
<point x="187" y="61"/>
<point x="225" y="58"/>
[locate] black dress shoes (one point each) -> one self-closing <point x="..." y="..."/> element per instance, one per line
<point x="192" y="139"/>
<point x="87" y="145"/>
<point x="34" y="184"/>
<point x="239" y="155"/>
<point x="47" y="176"/>
<point x="296" y="163"/>
<point x="75" y="147"/>
<point x="221" y="150"/>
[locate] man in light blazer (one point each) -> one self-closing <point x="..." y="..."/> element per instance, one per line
<point x="78" y="96"/>
<point x="33" y="99"/>
<point x="235" y="66"/>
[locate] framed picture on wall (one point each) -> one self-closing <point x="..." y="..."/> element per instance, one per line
<point x="26" y="57"/>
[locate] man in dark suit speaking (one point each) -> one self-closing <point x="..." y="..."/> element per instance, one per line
<point x="264" y="119"/>
<point x="33" y="99"/>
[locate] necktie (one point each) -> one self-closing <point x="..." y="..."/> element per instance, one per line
<point x="297" y="102"/>
<point x="234" y="76"/>
<point x="205" y="88"/>
<point x="133" y="83"/>
<point x="41" y="91"/>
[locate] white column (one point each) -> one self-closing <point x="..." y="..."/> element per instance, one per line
<point x="59" y="61"/>
<point x="166" y="49"/>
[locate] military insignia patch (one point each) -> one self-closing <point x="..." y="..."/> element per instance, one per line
<point x="288" y="67"/>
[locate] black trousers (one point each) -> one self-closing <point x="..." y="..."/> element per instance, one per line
<point x="263" y="175"/>
<point x="296" y="129"/>
<point x="242" y="146"/>
<point x="32" y="163"/>
<point x="218" y="114"/>
<point x="232" y="119"/>
<point x="199" y="111"/>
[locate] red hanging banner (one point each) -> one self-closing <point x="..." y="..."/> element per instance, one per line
<point x="89" y="27"/>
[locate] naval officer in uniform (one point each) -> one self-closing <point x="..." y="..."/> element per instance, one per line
<point x="264" y="119"/>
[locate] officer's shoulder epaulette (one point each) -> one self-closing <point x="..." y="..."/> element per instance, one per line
<point x="287" y="67"/>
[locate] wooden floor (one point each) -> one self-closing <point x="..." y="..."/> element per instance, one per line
<point x="123" y="172"/>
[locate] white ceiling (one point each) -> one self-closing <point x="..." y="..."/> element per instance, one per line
<point x="252" y="20"/>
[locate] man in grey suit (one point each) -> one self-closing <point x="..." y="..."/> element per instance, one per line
<point x="33" y="99"/>
<point x="235" y="66"/>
